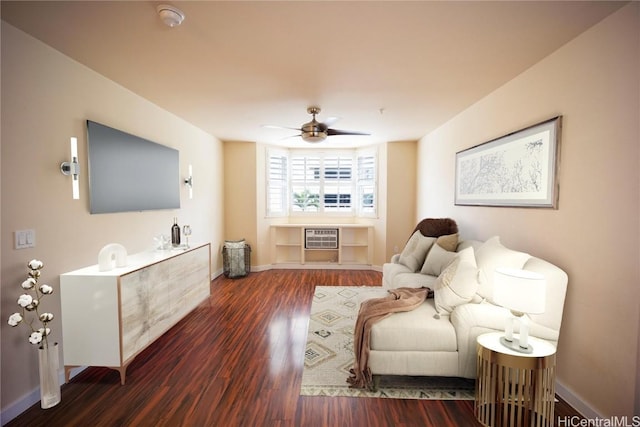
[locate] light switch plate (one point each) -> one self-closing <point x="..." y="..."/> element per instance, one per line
<point x="25" y="239"/>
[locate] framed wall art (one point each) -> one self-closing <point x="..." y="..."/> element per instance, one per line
<point x="519" y="169"/>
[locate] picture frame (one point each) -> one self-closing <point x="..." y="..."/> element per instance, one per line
<point x="519" y="169"/>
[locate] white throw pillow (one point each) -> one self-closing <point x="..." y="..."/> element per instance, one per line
<point x="458" y="283"/>
<point x="415" y="251"/>
<point x="437" y="260"/>
<point x="491" y="255"/>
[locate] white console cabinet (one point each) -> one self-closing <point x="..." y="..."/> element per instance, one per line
<point x="109" y="317"/>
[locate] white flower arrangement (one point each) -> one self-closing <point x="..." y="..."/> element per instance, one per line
<point x="30" y="302"/>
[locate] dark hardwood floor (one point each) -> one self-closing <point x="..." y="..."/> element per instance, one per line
<point x="237" y="361"/>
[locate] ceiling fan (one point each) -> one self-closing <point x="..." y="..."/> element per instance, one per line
<point x="315" y="131"/>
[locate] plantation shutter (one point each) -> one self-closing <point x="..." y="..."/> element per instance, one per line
<point x="305" y="183"/>
<point x="338" y="183"/>
<point x="366" y="184"/>
<point x="277" y="184"/>
<point x="333" y="182"/>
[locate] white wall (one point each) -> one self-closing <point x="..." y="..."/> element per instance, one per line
<point x="46" y="98"/>
<point x="593" y="81"/>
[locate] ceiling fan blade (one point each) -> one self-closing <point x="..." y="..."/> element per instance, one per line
<point x="333" y="132"/>
<point x="330" y="120"/>
<point x="290" y="136"/>
<point x="280" y="127"/>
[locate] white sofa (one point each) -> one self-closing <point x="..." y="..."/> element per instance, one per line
<point x="439" y="339"/>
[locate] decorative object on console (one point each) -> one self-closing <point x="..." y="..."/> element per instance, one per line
<point x="175" y="233"/>
<point x="163" y="242"/>
<point x="186" y="230"/>
<point x="30" y="302"/>
<point x="518" y="169"/>
<point x="110" y="253"/>
<point x="73" y="168"/>
<point x="189" y="182"/>
<point x="522" y="292"/>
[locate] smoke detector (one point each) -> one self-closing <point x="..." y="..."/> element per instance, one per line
<point x="171" y="16"/>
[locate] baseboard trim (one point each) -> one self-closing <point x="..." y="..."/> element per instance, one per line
<point x="19" y="406"/>
<point x="315" y="266"/>
<point x="576" y="402"/>
<point x="28" y="400"/>
<point x="296" y="266"/>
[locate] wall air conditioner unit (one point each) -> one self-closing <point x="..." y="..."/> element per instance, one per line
<point x="321" y="238"/>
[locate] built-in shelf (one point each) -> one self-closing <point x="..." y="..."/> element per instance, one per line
<point x="354" y="246"/>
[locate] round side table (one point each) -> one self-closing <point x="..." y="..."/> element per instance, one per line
<point x="515" y="389"/>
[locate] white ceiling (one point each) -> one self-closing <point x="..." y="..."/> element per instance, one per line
<point x="395" y="69"/>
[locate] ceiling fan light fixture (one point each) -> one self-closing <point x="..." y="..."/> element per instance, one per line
<point x="170" y="15"/>
<point x="315" y="131"/>
<point x="314" y="136"/>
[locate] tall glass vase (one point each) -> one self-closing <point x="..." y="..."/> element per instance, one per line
<point x="49" y="385"/>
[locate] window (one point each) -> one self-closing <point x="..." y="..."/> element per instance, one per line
<point x="277" y="183"/>
<point x="337" y="183"/>
<point x="367" y="184"/>
<point x="305" y="182"/>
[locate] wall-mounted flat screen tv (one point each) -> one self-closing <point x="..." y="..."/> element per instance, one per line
<point x="130" y="174"/>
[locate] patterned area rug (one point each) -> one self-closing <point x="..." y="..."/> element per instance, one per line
<point x="329" y="353"/>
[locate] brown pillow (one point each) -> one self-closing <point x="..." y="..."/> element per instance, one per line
<point x="448" y="242"/>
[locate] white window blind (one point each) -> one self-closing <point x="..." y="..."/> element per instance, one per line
<point x="338" y="184"/>
<point x="367" y="184"/>
<point x="306" y="182"/>
<point x="277" y="183"/>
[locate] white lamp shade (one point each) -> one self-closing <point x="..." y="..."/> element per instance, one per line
<point x="520" y="291"/>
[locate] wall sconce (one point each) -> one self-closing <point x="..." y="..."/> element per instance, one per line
<point x="189" y="182"/>
<point x="73" y="168"/>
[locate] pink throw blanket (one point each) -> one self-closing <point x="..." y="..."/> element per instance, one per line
<point x="372" y="311"/>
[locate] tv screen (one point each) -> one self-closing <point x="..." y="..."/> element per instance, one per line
<point x="128" y="173"/>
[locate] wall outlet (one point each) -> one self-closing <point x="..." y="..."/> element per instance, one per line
<point x="395" y="249"/>
<point x="25" y="239"/>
